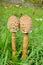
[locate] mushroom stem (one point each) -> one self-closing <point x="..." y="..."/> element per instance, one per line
<point x="13" y="45"/>
<point x="25" y="45"/>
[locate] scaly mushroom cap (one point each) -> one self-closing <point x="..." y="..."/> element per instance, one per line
<point x="25" y="24"/>
<point x="13" y="24"/>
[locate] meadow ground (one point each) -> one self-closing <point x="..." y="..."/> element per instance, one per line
<point x="35" y="41"/>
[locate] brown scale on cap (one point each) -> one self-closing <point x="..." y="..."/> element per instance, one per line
<point x="13" y="25"/>
<point x="25" y="24"/>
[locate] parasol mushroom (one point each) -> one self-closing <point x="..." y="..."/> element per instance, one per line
<point x="25" y="26"/>
<point x="13" y="25"/>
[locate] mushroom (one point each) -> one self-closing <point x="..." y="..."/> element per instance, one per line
<point x="25" y="27"/>
<point x="13" y="25"/>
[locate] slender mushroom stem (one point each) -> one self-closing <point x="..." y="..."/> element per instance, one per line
<point x="25" y="45"/>
<point x="13" y="45"/>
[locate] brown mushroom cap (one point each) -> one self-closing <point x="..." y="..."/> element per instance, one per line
<point x="13" y="24"/>
<point x="25" y="24"/>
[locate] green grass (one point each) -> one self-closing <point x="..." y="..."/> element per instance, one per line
<point x="35" y="44"/>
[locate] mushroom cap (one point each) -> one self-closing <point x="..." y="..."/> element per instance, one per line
<point x="13" y="24"/>
<point x="25" y="24"/>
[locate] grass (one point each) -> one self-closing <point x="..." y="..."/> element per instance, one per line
<point x="35" y="45"/>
